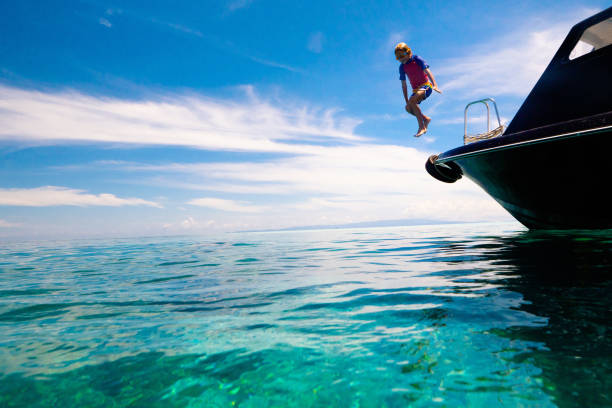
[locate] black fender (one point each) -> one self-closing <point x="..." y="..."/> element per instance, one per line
<point x="448" y="172"/>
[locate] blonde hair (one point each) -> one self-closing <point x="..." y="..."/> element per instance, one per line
<point x="402" y="47"/>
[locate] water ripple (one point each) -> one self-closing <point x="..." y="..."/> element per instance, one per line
<point x="465" y="315"/>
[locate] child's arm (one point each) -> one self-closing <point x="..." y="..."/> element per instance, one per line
<point x="405" y="91"/>
<point x="433" y="80"/>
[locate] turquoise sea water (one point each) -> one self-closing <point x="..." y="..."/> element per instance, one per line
<point x="448" y="316"/>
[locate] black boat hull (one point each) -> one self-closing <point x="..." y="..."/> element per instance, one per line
<point x="551" y="168"/>
<point x="559" y="182"/>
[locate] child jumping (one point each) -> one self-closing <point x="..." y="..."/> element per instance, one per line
<point x="419" y="75"/>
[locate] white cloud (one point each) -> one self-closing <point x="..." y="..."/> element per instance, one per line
<point x="195" y="121"/>
<point x="105" y="22"/>
<point x="178" y="27"/>
<point x="339" y="177"/>
<point x="111" y="11"/>
<point x="274" y="64"/>
<point x="315" y="42"/>
<point x="393" y="39"/>
<point x="185" y="29"/>
<point x="238" y="4"/>
<point x="226" y="205"/>
<point x="54" y="196"/>
<point x="510" y="65"/>
<point x="188" y="224"/>
<point x="347" y="170"/>
<point x="340" y="184"/>
<point x="6" y="224"/>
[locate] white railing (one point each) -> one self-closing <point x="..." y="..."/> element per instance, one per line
<point x="490" y="133"/>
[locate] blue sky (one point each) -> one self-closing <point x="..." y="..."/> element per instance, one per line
<point x="153" y="117"/>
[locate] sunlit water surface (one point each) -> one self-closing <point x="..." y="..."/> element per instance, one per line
<point x="460" y="315"/>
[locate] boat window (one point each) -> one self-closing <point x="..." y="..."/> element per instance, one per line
<point x="595" y="37"/>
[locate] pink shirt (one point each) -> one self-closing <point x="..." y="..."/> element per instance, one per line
<point x="415" y="69"/>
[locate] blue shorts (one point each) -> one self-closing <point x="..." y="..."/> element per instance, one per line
<point x="428" y="90"/>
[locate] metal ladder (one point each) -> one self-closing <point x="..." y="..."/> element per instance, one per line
<point x="489" y="134"/>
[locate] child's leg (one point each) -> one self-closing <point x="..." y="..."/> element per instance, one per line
<point x="413" y="104"/>
<point x="409" y="110"/>
<point x="427" y="118"/>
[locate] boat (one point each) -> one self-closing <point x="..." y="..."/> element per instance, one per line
<point x="551" y="167"/>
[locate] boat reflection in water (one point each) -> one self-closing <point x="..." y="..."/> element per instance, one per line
<point x="549" y="168"/>
<point x="564" y="279"/>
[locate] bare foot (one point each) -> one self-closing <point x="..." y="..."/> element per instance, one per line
<point x="420" y="132"/>
<point x="426" y="121"/>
